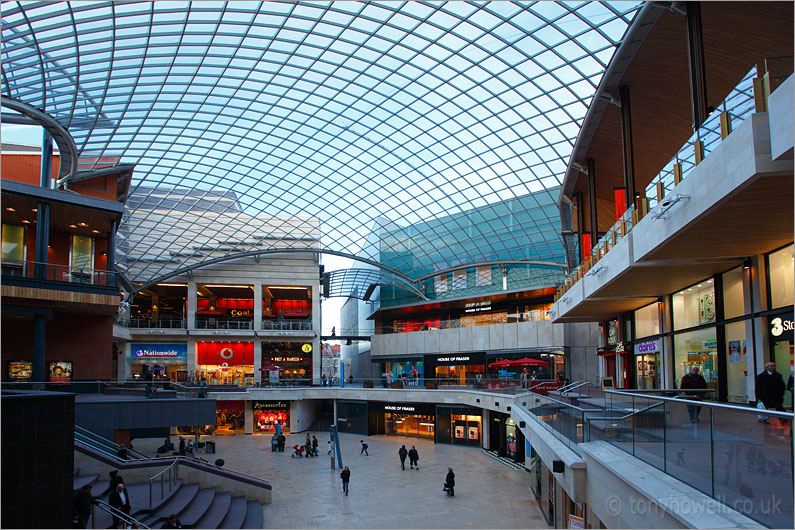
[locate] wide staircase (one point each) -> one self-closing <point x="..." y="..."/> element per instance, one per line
<point x="153" y="501"/>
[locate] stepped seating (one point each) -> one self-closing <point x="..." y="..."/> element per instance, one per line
<point x="195" y="507"/>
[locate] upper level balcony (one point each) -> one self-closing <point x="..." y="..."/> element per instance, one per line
<point x="725" y="195"/>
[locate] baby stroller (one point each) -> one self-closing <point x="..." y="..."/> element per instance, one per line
<point x="298" y="451"/>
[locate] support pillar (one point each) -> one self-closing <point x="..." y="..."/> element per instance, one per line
<point x="627" y="147"/>
<point x="592" y="201"/>
<point x="39" y="348"/>
<point x="696" y="64"/>
<point x="42" y="240"/>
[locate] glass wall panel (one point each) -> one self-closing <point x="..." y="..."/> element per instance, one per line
<point x="694" y="305"/>
<point x="781" y="275"/>
<point x="82" y="252"/>
<point x="733" y="302"/>
<point x="647" y="321"/>
<point x="697" y="348"/>
<point x="736" y="366"/>
<point x="13" y="243"/>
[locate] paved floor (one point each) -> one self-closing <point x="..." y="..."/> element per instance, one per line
<point x="307" y="494"/>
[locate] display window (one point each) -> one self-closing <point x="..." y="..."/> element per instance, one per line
<point x="225" y="362"/>
<point x="411" y="425"/>
<point x="410" y="372"/>
<point x="700" y="349"/>
<point x="694" y="305"/>
<point x="166" y="362"/>
<point x="459" y="374"/>
<point x="269" y="414"/>
<point x="737" y="363"/>
<point x="294" y="364"/>
<point x="782" y="349"/>
<point x="466" y="429"/>
<point x="647" y="371"/>
<point x="781" y="276"/>
<point x="229" y="417"/>
<point x="511" y="439"/>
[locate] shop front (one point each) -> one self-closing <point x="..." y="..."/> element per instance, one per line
<point x="647" y="364"/>
<point x="412" y="420"/>
<point x="456" y="368"/>
<point x="459" y="425"/>
<point x="225" y="362"/>
<point x="616" y="363"/>
<point x="229" y="417"/>
<point x="293" y="362"/>
<point x="352" y="416"/>
<point x="782" y="349"/>
<point x="164" y="361"/>
<point x="697" y="349"/>
<point x="270" y="414"/>
<point x="505" y="436"/>
<point x="409" y="372"/>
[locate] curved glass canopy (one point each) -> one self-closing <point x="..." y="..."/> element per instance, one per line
<point x="425" y="135"/>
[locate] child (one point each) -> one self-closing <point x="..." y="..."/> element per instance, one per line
<point x="364" y="448"/>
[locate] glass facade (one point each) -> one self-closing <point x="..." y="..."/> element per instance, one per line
<point x="781" y="277"/>
<point x="647" y="321"/>
<point x="733" y="298"/>
<point x="737" y="364"/>
<point x="13" y="243"/>
<point x="697" y="348"/>
<point x="694" y="306"/>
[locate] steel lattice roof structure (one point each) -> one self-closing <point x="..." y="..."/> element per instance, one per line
<point x="434" y="133"/>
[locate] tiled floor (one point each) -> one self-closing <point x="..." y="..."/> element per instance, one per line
<point x="308" y="494"/>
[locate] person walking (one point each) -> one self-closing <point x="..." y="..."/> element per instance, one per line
<point x="790" y="387"/>
<point x="414" y="457"/>
<point x="314" y="445"/>
<point x="274" y="442"/>
<point x="770" y="389"/>
<point x="693" y="381"/>
<point x="364" y="448"/>
<point x="82" y="505"/>
<point x="449" y="482"/>
<point x="402" y="453"/>
<point x="282" y="441"/>
<point x="323" y="379"/>
<point x="308" y="447"/>
<point x="181" y="446"/>
<point x="119" y="499"/>
<point x="346" y="478"/>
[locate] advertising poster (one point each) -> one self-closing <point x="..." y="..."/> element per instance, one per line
<point x="735" y="352"/>
<point x="459" y="431"/>
<point x="473" y="433"/>
<point x="60" y="372"/>
<point x="267" y="415"/>
<point x="20" y="371"/>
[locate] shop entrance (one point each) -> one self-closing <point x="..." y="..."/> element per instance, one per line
<point x="647" y="371"/>
<point x="410" y="425"/>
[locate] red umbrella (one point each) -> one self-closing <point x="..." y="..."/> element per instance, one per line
<point x="271" y="367"/>
<point x="500" y="364"/>
<point x="527" y="361"/>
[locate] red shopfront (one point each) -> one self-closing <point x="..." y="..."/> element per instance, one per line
<point x="225" y="362"/>
<point x="617" y="364"/>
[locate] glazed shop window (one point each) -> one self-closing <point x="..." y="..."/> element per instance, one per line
<point x="647" y="321"/>
<point x="13" y="243"/>
<point x="780" y="276"/>
<point x="733" y="302"/>
<point x="700" y="349"/>
<point x="694" y="305"/>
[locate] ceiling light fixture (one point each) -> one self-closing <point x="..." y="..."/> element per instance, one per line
<point x="26" y="221"/>
<point x="95" y="231"/>
<point x="231" y="286"/>
<point x="9" y="209"/>
<point x="72" y="226"/>
<point x="81" y="223"/>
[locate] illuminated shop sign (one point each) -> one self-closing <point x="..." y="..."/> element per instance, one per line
<point x="149" y="351"/>
<point x="457" y="358"/>
<point x="649" y="346"/>
<point x="287" y="359"/>
<point x="270" y="405"/>
<point x="449" y="359"/>
<point x="403" y="408"/>
<point x="778" y="326"/>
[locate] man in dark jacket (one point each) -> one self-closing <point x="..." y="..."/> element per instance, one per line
<point x="414" y="457"/>
<point x="82" y="505"/>
<point x="770" y="388"/>
<point x="693" y="380"/>
<point x="402" y="453"/>
<point x="120" y="499"/>
<point x="449" y="482"/>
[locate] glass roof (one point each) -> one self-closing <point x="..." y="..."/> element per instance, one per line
<point x="265" y="126"/>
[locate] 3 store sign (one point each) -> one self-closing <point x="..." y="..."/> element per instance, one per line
<point x="778" y="326"/>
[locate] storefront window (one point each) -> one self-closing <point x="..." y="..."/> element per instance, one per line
<point x="459" y="375"/>
<point x="697" y="348"/>
<point x="648" y="371"/>
<point x="466" y="429"/>
<point x="163" y="361"/>
<point x="269" y="414"/>
<point x="409" y="372"/>
<point x="225" y="362"/>
<point x="13" y="243"/>
<point x="411" y="425"/>
<point x="647" y="321"/>
<point x="694" y="305"/>
<point x="781" y="272"/>
<point x="736" y="367"/>
<point x="229" y="417"/>
<point x="511" y="439"/>
<point x="294" y="364"/>
<point x="733" y="300"/>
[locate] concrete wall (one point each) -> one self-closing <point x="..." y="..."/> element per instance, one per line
<point x="104" y="417"/>
<point x="302" y="413"/>
<point x="782" y="115"/>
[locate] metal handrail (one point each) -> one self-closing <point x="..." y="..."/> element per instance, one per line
<point x="737" y="408"/>
<point x="128" y="519"/>
<point x="572" y="386"/>
<point x="90" y="437"/>
<point x="567" y="405"/>
<point x="625" y="416"/>
<point x="172" y="481"/>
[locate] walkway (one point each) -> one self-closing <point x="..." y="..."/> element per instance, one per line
<point x="306" y="494"/>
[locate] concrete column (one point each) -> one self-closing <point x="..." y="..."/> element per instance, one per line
<point x="667" y="343"/>
<point x="248" y="414"/>
<point x="257" y="312"/>
<point x="191" y="356"/>
<point x="123" y="371"/>
<point x="484" y="429"/>
<point x="257" y="358"/>
<point x="39" y="348"/>
<point x="192" y="307"/>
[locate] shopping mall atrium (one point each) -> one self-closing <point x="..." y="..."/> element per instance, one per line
<point x="546" y="245"/>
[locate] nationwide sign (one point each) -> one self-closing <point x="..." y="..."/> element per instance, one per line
<point x="167" y="351"/>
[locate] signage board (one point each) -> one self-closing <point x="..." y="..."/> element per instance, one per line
<point x="139" y="350"/>
<point x="20" y="371"/>
<point x="452" y="359"/>
<point x="647" y="346"/>
<point x="403" y="408"/>
<point x="270" y="405"/>
<point x="60" y="372"/>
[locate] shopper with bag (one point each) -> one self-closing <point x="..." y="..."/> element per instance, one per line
<point x="449" y="482"/>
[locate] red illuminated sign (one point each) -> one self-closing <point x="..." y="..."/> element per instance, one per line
<point x="225" y="354"/>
